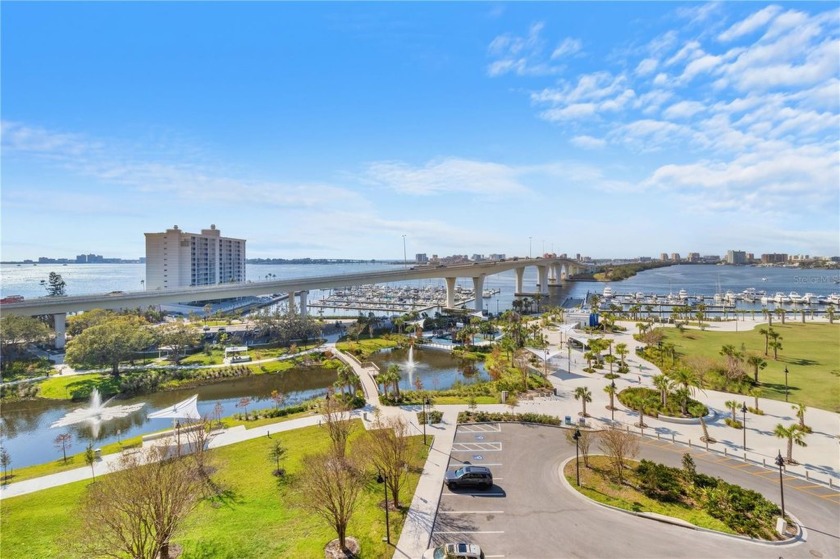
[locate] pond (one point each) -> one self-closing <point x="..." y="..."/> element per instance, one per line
<point x="430" y="369"/>
<point x="29" y="439"/>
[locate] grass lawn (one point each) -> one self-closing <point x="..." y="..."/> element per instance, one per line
<point x="257" y="517"/>
<point x="811" y="352"/>
<point x="598" y="487"/>
<point x="366" y="346"/>
<point x="77" y="387"/>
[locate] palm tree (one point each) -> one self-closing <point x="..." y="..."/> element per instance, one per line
<point x="392" y="376"/>
<point x="800" y="413"/>
<point x="583" y="394"/>
<point x="829" y="312"/>
<point x="733" y="358"/>
<point x="781" y="313"/>
<point x="755" y="393"/>
<point x="344" y="376"/>
<point x="687" y="380"/>
<point x="776" y="344"/>
<point x="766" y="333"/>
<point x="610" y="359"/>
<point x="663" y="384"/>
<point x="793" y="434"/>
<point x="733" y="406"/>
<point x="756" y="362"/>
<point x="621" y="350"/>
<point x="611" y="390"/>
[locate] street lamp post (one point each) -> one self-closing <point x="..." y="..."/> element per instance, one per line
<point x="576" y="437"/>
<point x="780" y="462"/>
<point x="545" y="362"/>
<point x="612" y="407"/>
<point x="425" y="419"/>
<point x="384" y="479"/>
<point x="786" y="384"/>
<point x="744" y="411"/>
<point x="405" y="255"/>
<point x="529" y="247"/>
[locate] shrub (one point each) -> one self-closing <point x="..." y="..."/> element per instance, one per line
<point x="435" y="416"/>
<point x="659" y="482"/>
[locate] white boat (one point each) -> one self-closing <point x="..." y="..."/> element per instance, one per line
<point x="810" y="299"/>
<point x="749" y="295"/>
<point x="719" y="298"/>
<point x="765" y="299"/>
<point x="730" y="297"/>
<point x="834" y="299"/>
<point x="608" y="292"/>
<point x="683" y="294"/>
<point x="640" y="296"/>
<point x="795" y="297"/>
<point x="780" y="298"/>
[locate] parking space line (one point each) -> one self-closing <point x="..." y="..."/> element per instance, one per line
<point x="471" y="512"/>
<point x="475" y="532"/>
<point x="495" y="428"/>
<point x="474" y="447"/>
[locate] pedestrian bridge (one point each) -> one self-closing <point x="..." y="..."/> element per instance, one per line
<point x="550" y="271"/>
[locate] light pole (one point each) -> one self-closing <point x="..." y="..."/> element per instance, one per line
<point x="612" y="396"/>
<point x="780" y="462"/>
<point x="529" y="247"/>
<point x="744" y="411"/>
<point x="383" y="478"/>
<point x="545" y="362"/>
<point x="576" y="437"/>
<point x="405" y="255"/>
<point x="786" y="384"/>
<point x="425" y="418"/>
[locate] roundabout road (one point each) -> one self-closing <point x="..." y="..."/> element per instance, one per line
<point x="531" y="514"/>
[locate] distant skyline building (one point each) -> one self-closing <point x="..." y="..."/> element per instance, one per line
<point x="675" y="256"/>
<point x="663" y="256"/>
<point x="176" y="259"/>
<point x="736" y="257"/>
<point x="421" y="258"/>
<point x="774" y="258"/>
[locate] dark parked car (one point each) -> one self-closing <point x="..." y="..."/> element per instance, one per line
<point x="469" y="476"/>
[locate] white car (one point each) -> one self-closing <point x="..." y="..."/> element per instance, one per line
<point x="455" y="551"/>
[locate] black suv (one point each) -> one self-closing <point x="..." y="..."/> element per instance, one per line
<point x="469" y="476"/>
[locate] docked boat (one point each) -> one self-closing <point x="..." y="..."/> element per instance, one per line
<point x="730" y="297"/>
<point x="683" y="294"/>
<point x="810" y="299"/>
<point x="608" y="292"/>
<point x="780" y="298"/>
<point x="795" y="297"/>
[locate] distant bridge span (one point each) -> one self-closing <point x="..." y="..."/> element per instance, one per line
<point x="556" y="268"/>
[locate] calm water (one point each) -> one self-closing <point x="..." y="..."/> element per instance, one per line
<point x="29" y="438"/>
<point x="434" y="369"/>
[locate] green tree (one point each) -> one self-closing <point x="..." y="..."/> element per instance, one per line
<point x="756" y="393"/>
<point x="178" y="337"/>
<point x="109" y="343"/>
<point x="17" y="332"/>
<point x="277" y="452"/>
<point x="5" y="460"/>
<point x="583" y="394"/>
<point x="800" y="410"/>
<point x="90" y="459"/>
<point x="392" y="377"/>
<point x="757" y="363"/>
<point x="56" y="285"/>
<point x="794" y="435"/>
<point x="733" y="407"/>
<point x="829" y="312"/>
<point x="776" y="344"/>
<point x="611" y="389"/>
<point x="663" y="384"/>
<point x="766" y="333"/>
<point x="621" y="350"/>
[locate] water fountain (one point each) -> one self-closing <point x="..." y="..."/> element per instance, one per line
<point x="96" y="413"/>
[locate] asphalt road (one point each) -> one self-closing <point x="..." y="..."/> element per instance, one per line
<point x="531" y="514"/>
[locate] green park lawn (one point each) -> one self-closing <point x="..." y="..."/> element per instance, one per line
<point x="811" y="352"/>
<point x="77" y="387"/>
<point x="256" y="516"/>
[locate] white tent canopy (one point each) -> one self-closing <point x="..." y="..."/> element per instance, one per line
<point x="542" y="355"/>
<point x="187" y="409"/>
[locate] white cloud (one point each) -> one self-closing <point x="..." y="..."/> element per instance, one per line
<point x="568" y="47"/>
<point x="588" y="142"/>
<point x="443" y="176"/>
<point x="647" y="66"/>
<point x="569" y="112"/>
<point x="753" y="22"/>
<point x="683" y="109"/>
<point x="523" y="56"/>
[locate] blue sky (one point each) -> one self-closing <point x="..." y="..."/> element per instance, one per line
<point x="332" y="130"/>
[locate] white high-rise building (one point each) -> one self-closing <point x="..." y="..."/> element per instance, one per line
<point x="177" y="259"/>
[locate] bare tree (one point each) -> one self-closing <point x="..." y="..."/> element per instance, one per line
<point x="619" y="446"/>
<point x="90" y="459"/>
<point x="136" y="510"/>
<point x="336" y="419"/>
<point x="583" y="443"/>
<point x="198" y="437"/>
<point x="332" y="485"/>
<point x="63" y="442"/>
<point x="5" y="460"/>
<point x="386" y="445"/>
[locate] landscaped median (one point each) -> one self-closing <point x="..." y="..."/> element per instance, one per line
<point x="255" y="514"/>
<point x="679" y="496"/>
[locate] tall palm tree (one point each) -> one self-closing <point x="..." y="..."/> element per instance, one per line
<point x="756" y="362"/>
<point x="344" y="376"/>
<point x="800" y="413"/>
<point x="766" y="333"/>
<point x="793" y="434"/>
<point x="611" y="389"/>
<point x="621" y="350"/>
<point x="583" y="394"/>
<point x="755" y="393"/>
<point x="663" y="384"/>
<point x="776" y="344"/>
<point x="733" y="406"/>
<point x="393" y="374"/>
<point x="829" y="312"/>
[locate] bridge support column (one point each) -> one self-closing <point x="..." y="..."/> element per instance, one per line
<point x="303" y="295"/>
<point x="60" y="320"/>
<point x="553" y="274"/>
<point x="291" y="301"/>
<point x="450" y="292"/>
<point x="543" y="278"/>
<point x="478" y="289"/>
<point x="520" y="274"/>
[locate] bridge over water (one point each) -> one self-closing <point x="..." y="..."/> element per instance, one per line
<point x="550" y="271"/>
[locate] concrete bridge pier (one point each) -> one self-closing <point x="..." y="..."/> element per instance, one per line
<point x="291" y="300"/>
<point x="450" y="292"/>
<point x="303" y="295"/>
<point x="520" y="274"/>
<point x="478" y="289"/>
<point x="60" y="320"/>
<point x="543" y="279"/>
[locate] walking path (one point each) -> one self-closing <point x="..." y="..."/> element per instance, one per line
<point x="820" y="460"/>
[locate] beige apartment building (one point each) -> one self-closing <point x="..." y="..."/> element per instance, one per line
<point x="177" y="259"/>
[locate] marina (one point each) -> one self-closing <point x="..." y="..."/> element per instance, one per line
<point x="389" y="298"/>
